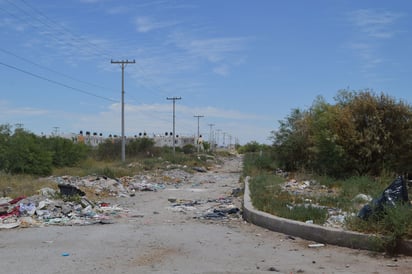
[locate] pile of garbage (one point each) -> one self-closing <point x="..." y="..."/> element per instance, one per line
<point x="48" y="207"/>
<point x="211" y="209"/>
<point x="396" y="192"/>
<point x="69" y="205"/>
<point x="310" y="188"/>
<point x="103" y="186"/>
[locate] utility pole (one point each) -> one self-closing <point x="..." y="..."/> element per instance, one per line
<point x="211" y="137"/>
<point x="218" y="137"/>
<point x="56" y="130"/>
<point x="174" y="118"/>
<point x="123" y="63"/>
<point x="198" y="133"/>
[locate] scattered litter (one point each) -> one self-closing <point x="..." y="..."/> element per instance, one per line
<point x="316" y="245"/>
<point x="70" y="190"/>
<point x="9" y="225"/>
<point x="68" y="203"/>
<point x="199" y="169"/>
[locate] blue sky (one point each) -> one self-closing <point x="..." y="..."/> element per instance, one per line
<point x="243" y="65"/>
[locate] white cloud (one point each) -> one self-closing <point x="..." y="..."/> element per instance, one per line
<point x="146" y="24"/>
<point x="7" y="111"/>
<point x="212" y="49"/>
<point x="373" y="28"/>
<point x="221" y="70"/>
<point x="118" y="10"/>
<point x="374" y="23"/>
<point x="221" y="52"/>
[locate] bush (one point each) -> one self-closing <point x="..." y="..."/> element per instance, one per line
<point x="65" y="152"/>
<point x="28" y="155"/>
<point x="393" y="224"/>
<point x="189" y="149"/>
<point x="109" y="150"/>
<point x="362" y="134"/>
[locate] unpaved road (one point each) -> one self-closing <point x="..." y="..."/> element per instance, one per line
<point x="154" y="238"/>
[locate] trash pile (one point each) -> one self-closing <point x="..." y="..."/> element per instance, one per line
<point x="69" y="204"/>
<point x="211" y="209"/>
<point x="396" y="192"/>
<point x="123" y="187"/>
<point x="48" y="208"/>
<point x="306" y="187"/>
<point x="336" y="217"/>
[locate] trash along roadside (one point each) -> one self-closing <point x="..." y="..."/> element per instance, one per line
<point x="71" y="203"/>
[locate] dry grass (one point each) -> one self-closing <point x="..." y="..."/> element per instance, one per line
<point x="22" y="185"/>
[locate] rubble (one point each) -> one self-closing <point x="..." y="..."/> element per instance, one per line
<point x="70" y="205"/>
<point x="310" y="188"/>
<point x="40" y="210"/>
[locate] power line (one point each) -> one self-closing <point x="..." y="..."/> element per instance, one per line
<point x="37" y="19"/>
<point x="56" y="82"/>
<point x="55" y="23"/>
<point x="59" y="33"/>
<point x="52" y="70"/>
<point x="69" y="37"/>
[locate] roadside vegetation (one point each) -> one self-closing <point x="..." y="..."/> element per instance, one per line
<point x="358" y="145"/>
<point x="26" y="160"/>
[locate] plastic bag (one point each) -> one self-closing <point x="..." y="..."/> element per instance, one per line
<point x="394" y="193"/>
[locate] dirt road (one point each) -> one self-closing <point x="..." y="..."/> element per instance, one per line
<point x="159" y="235"/>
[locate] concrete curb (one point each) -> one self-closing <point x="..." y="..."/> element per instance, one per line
<point x="312" y="232"/>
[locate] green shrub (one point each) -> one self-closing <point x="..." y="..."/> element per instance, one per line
<point x="65" y="152"/>
<point x="189" y="149"/>
<point x="26" y="154"/>
<point x="392" y="224"/>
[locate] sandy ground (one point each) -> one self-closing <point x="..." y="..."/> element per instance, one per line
<point x="155" y="238"/>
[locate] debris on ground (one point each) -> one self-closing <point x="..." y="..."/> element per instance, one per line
<point x="73" y="201"/>
<point x="42" y="210"/>
<point x="396" y="192"/>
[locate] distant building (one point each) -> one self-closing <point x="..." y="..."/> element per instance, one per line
<point x="180" y="141"/>
<point x="159" y="140"/>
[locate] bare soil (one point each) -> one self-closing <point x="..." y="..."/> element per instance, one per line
<point x="157" y="237"/>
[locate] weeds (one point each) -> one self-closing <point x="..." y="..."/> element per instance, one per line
<point x="393" y="223"/>
<point x="22" y="185"/>
<point x="267" y="195"/>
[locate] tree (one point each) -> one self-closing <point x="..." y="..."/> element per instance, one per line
<point x="375" y="132"/>
<point x="362" y="134"/>
<point x="64" y="151"/>
<point x="327" y="156"/>
<point x="292" y="140"/>
<point x="26" y="154"/>
<point x="5" y="132"/>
